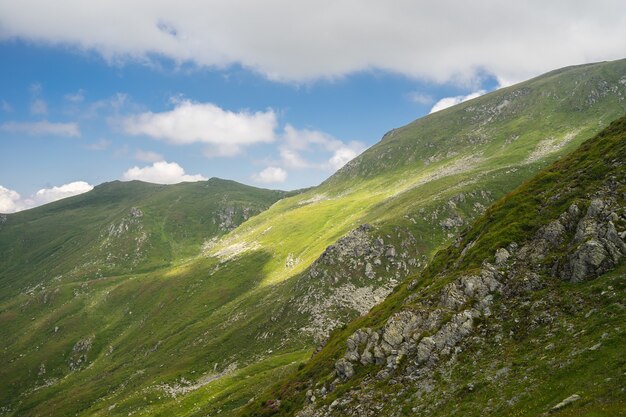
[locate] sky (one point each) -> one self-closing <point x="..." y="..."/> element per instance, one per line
<point x="276" y="94"/>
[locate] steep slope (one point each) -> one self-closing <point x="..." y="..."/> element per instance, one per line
<point x="202" y="335"/>
<point x="522" y="315"/>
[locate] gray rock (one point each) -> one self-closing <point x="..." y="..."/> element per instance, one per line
<point x="367" y="357"/>
<point x="344" y="369"/>
<point x="425" y="349"/>
<point x="595" y="207"/>
<point x="585" y="261"/>
<point x="553" y="232"/>
<point x="565" y="402"/>
<point x="502" y="255"/>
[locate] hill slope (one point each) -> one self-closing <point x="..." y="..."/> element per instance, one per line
<point x="121" y="227"/>
<point x="201" y="335"/>
<point x="522" y="315"/>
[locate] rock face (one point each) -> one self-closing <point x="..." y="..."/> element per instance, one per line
<point x="433" y="327"/>
<point x="597" y="247"/>
<point x="426" y="335"/>
<point x="352" y="276"/>
<point x="232" y="216"/>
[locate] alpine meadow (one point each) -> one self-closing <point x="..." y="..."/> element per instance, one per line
<point x="468" y="263"/>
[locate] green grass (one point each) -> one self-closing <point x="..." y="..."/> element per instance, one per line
<point x="167" y="312"/>
<point x="582" y="314"/>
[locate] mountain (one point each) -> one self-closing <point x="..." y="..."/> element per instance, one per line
<point x="121" y="227"/>
<point x="206" y="319"/>
<point x="522" y="315"/>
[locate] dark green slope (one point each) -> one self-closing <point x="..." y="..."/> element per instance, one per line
<point x="522" y="315"/>
<point x="120" y="228"/>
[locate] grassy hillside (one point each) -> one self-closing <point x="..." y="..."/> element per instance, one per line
<point x="121" y="227"/>
<point x="524" y="311"/>
<point x="92" y="326"/>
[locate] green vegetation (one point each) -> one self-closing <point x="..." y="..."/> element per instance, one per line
<point x="198" y="302"/>
<point x="563" y="338"/>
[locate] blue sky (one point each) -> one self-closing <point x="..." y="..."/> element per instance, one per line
<point x="168" y="94"/>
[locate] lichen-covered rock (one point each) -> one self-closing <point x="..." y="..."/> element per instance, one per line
<point x="502" y="255"/>
<point x="404" y="331"/>
<point x="344" y="369"/>
<point x="352" y="276"/>
<point x="597" y="246"/>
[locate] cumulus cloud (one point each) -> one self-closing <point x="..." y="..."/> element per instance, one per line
<point x="48" y="195"/>
<point x="161" y="172"/>
<point x="191" y="122"/>
<point x="11" y="201"/>
<point x="441" y="40"/>
<point x="341" y="157"/>
<point x="293" y="159"/>
<point x="298" y="141"/>
<point x="148" y="156"/>
<point x="43" y="127"/>
<point x="446" y="102"/>
<point x="270" y="175"/>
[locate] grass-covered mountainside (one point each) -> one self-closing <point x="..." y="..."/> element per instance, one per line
<point x="203" y="321"/>
<point x="523" y="315"/>
<point x="121" y="227"/>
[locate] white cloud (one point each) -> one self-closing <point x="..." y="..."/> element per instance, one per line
<point x="298" y="141"/>
<point x="43" y="127"/>
<point x="11" y="201"/>
<point x="342" y="156"/>
<point x="302" y="139"/>
<point x="148" y="156"/>
<point x="293" y="159"/>
<point x="443" y="40"/>
<point x="161" y="172"/>
<point x="270" y="175"/>
<point x="48" y="195"/>
<point x="446" y="102"/>
<point x="191" y="122"/>
<point x="39" y="107"/>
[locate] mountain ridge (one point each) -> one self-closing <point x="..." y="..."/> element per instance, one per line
<point x="212" y="325"/>
<point x="563" y="232"/>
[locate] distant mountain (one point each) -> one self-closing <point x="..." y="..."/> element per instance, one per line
<point x="121" y="228"/>
<point x="141" y="300"/>
<point x="523" y="315"/>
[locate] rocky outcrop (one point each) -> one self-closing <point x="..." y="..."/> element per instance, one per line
<point x="229" y="217"/>
<point x="434" y="327"/>
<point x="597" y="246"/>
<point x="427" y="333"/>
<point x="352" y="276"/>
<point x="78" y="356"/>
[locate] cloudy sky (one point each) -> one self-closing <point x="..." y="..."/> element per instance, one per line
<point x="273" y="93"/>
